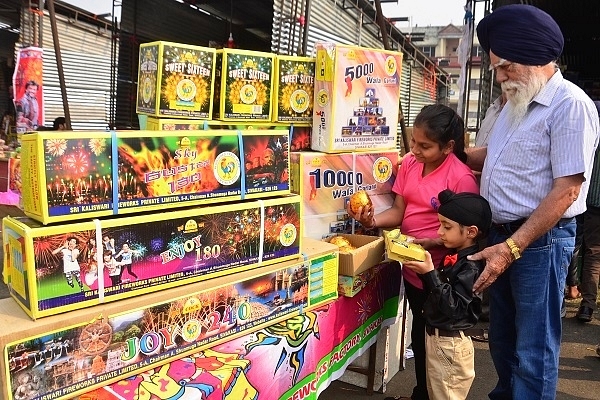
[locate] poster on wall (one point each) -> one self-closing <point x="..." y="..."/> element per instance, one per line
<point x="28" y="89"/>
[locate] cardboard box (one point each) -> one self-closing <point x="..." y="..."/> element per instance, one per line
<point x="175" y="80"/>
<point x="293" y="89"/>
<point x="326" y="182"/>
<point x="59" y="268"/>
<point x="370" y="251"/>
<point x="72" y="353"/>
<point x="400" y="247"/>
<point x="357" y="92"/>
<point x="349" y="286"/>
<point x="81" y="175"/>
<point x="243" y="85"/>
<point x="299" y="132"/>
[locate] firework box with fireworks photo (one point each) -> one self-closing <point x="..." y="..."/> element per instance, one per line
<point x="88" y="348"/>
<point x="79" y="175"/>
<point x="62" y="267"/>
<point x="357" y="92"/>
<point x="364" y="252"/>
<point x="176" y="80"/>
<point x="326" y="182"/>
<point x="299" y="132"/>
<point x="243" y="85"/>
<point x="293" y="89"/>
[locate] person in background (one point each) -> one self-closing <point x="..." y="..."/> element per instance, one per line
<point x="29" y="106"/>
<point x="59" y="124"/>
<point x="435" y="163"/>
<point x="7" y="122"/>
<point x="451" y="309"/>
<point x="487" y="123"/>
<point x="590" y="269"/>
<point x="535" y="172"/>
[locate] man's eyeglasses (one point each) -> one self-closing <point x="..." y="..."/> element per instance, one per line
<point x="503" y="65"/>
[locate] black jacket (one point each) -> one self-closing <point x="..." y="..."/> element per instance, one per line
<point x="451" y="304"/>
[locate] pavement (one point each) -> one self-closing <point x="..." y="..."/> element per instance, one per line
<point x="579" y="372"/>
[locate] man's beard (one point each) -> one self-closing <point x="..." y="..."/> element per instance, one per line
<point x="520" y="93"/>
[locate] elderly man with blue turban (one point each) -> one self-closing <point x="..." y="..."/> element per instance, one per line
<point x="535" y="175"/>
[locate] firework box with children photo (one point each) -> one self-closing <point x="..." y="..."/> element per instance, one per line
<point x="175" y="80"/>
<point x="357" y="93"/>
<point x="243" y="85"/>
<point x="59" y="268"/>
<point x="74" y="352"/>
<point x="78" y="175"/>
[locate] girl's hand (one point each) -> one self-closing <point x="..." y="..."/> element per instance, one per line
<point x="428" y="243"/>
<point x="420" y="267"/>
<point x="365" y="215"/>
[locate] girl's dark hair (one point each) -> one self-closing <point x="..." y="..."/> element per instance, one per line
<point x="442" y="124"/>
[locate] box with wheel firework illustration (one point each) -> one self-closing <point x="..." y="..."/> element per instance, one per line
<point x="294" y="84"/>
<point x="243" y="85"/>
<point x="59" y="268"/>
<point x="326" y="182"/>
<point x="65" y="355"/>
<point x="175" y="80"/>
<point x="81" y="175"/>
<point x="357" y="93"/>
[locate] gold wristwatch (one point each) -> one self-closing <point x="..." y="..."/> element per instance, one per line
<point x="514" y="249"/>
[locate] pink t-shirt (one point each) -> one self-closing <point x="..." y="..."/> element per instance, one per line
<point x="420" y="197"/>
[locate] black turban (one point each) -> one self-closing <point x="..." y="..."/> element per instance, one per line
<point x="466" y="208"/>
<point x="521" y="33"/>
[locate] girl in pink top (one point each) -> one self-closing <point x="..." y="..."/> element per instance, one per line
<point x="436" y="162"/>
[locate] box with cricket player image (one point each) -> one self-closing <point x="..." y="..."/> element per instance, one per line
<point x="54" y="269"/>
<point x="357" y="94"/>
<point x="82" y="175"/>
<point x="66" y="355"/>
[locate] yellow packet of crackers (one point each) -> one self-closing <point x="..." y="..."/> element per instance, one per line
<point x="400" y="247"/>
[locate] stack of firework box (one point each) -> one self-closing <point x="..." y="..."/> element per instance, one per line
<point x="183" y="87"/>
<point x="355" y="118"/>
<point x="136" y="215"/>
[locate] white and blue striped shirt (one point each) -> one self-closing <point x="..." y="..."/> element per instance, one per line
<point x="556" y="138"/>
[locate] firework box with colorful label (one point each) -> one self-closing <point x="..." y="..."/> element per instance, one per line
<point x="59" y="268"/>
<point x="326" y="182"/>
<point x="299" y="132"/>
<point x="176" y="80"/>
<point x="293" y="89"/>
<point x="81" y="175"/>
<point x="357" y="93"/>
<point x="243" y="85"/>
<point x="365" y="252"/>
<point x="349" y="286"/>
<point x="74" y="352"/>
<point x="400" y="247"/>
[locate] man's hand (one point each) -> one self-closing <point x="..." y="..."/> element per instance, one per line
<point x="497" y="259"/>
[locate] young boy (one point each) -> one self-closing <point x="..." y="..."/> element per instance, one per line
<point x="451" y="308"/>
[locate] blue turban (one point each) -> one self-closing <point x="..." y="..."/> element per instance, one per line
<point x="521" y="33"/>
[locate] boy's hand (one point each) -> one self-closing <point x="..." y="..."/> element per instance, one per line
<point x="420" y="267"/>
